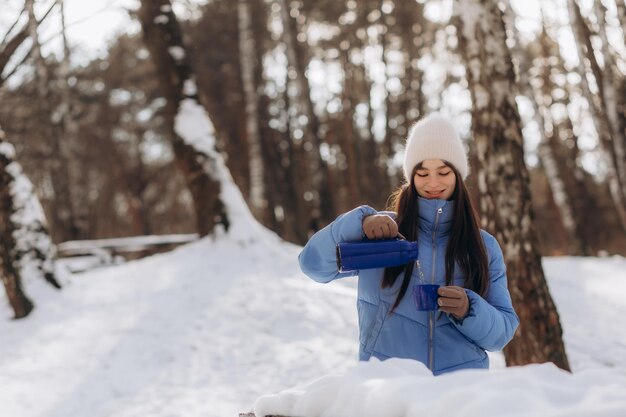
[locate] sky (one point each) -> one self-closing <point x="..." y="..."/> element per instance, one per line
<point x="95" y="22"/>
<point x="92" y="24"/>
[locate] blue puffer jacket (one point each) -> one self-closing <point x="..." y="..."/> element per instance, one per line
<point x="438" y="340"/>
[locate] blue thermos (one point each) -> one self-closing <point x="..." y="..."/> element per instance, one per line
<point x="352" y="256"/>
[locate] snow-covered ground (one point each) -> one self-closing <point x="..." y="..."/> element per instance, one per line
<point x="207" y="329"/>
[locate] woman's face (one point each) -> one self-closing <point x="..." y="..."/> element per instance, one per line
<point x="434" y="179"/>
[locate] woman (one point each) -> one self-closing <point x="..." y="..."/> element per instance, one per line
<point x="433" y="208"/>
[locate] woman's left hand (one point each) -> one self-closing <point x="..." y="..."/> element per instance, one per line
<point x="453" y="300"/>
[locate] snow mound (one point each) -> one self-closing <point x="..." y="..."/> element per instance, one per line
<point x="405" y="388"/>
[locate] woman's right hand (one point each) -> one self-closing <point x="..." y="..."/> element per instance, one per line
<point x="380" y="226"/>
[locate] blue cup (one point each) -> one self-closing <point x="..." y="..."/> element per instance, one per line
<point x="425" y="297"/>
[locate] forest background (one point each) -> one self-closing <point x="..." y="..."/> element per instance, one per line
<point x="334" y="97"/>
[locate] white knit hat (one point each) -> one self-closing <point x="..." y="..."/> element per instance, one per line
<point x="434" y="137"/>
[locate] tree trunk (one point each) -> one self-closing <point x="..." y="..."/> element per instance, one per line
<point x="410" y="17"/>
<point x="347" y="137"/>
<point x="603" y="108"/>
<point x="621" y="15"/>
<point x="71" y="212"/>
<point x="548" y="146"/>
<point x="199" y="166"/>
<point x="546" y="151"/>
<point x="563" y="143"/>
<point x="247" y="49"/>
<point x="613" y="81"/>
<point x="372" y="170"/>
<point x="504" y="183"/>
<point x="8" y="47"/>
<point x="322" y="202"/>
<point x="9" y="272"/>
<point x="7" y="50"/>
<point x="24" y="241"/>
<point x="390" y="137"/>
<point x="49" y="118"/>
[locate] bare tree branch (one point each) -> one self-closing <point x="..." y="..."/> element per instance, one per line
<point x="15" y="42"/>
<point x="6" y="35"/>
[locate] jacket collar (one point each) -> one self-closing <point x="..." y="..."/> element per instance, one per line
<point x="429" y="218"/>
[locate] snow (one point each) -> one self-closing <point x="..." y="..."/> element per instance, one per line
<point x="133" y="242"/>
<point x="190" y="88"/>
<point x="161" y="19"/>
<point x="193" y="125"/>
<point x="89" y="254"/>
<point x="166" y="8"/>
<point x="176" y="52"/>
<point x="589" y="295"/>
<point x="33" y="246"/>
<point x="210" y="327"/>
<point x="403" y="387"/>
<point x="6" y="148"/>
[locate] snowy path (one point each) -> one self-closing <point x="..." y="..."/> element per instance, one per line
<point x="590" y="296"/>
<point x="205" y="329"/>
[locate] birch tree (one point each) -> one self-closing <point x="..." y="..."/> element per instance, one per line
<point x="9" y="272"/>
<point x="10" y="43"/>
<point x="25" y="246"/>
<point x="605" y="105"/>
<point x="504" y="182"/>
<point x="71" y="208"/>
<point x="315" y="168"/>
<point x="60" y="162"/>
<point x="186" y="120"/>
<point x="13" y="39"/>
<point x="540" y="102"/>
<point x="52" y="116"/>
<point x="621" y="14"/>
<point x="248" y="63"/>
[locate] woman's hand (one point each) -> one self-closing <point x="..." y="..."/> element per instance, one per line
<point x="453" y="300"/>
<point x="380" y="226"/>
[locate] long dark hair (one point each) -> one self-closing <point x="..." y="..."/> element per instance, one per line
<point x="465" y="245"/>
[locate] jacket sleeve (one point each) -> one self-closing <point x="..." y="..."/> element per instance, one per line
<point x="318" y="259"/>
<point x="491" y="321"/>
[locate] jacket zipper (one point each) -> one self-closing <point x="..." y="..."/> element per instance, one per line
<point x="431" y="314"/>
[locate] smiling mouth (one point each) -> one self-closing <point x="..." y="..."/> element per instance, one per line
<point x="434" y="193"/>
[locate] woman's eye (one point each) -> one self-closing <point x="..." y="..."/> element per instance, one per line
<point x="444" y="173"/>
<point x="422" y="175"/>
